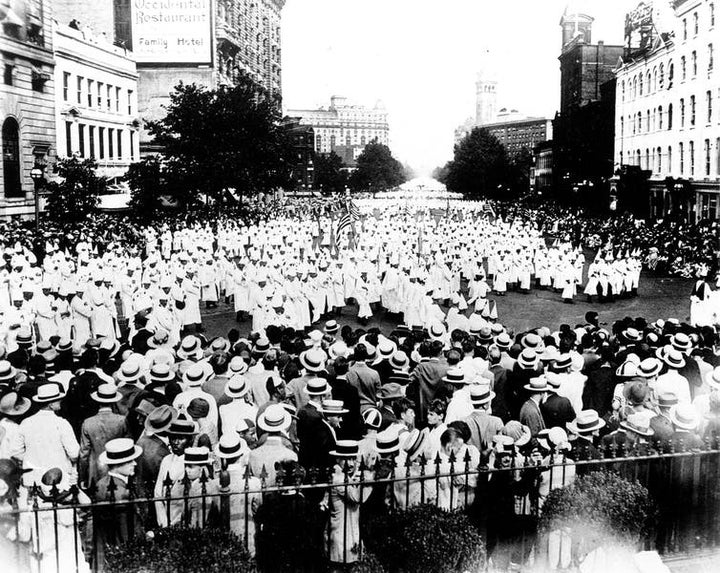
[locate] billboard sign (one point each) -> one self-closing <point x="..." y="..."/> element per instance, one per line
<point x="639" y="27"/>
<point x="172" y="31"/>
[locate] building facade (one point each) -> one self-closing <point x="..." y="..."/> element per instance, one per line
<point x="583" y="128"/>
<point x="518" y="133"/>
<point x="27" y="116"/>
<point x="302" y="138"/>
<point x="345" y="128"/>
<point x="667" y="121"/>
<point x="95" y="101"/>
<point x="485" y="99"/>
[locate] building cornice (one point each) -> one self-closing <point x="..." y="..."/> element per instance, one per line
<point x="26" y="50"/>
<point x="79" y="59"/>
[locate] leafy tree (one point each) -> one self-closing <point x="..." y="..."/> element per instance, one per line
<point x="519" y="171"/>
<point x="440" y="173"/>
<point x="376" y="169"/>
<point x="146" y="187"/>
<point x="75" y="196"/>
<point x="480" y="165"/>
<point x="229" y="137"/>
<point x="329" y="176"/>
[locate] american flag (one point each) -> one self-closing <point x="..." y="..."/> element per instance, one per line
<point x="343" y="223"/>
<point x="353" y="210"/>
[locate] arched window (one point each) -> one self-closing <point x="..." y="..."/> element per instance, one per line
<point x="660" y="118"/>
<point x="655" y="79"/>
<point x="622" y="91"/>
<point x="648" y="82"/>
<point x="661" y="83"/>
<point x="670" y="116"/>
<point x="669" y="159"/>
<point x="671" y="74"/>
<point x="11" y="158"/>
<point x="639" y="121"/>
<point x="640" y="91"/>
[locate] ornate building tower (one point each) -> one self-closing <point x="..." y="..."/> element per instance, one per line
<point x="485" y="99"/>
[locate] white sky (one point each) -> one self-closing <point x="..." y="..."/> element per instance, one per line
<point x="421" y="57"/>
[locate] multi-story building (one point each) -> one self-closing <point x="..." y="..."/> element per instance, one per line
<point x="583" y="136"/>
<point x="485" y="99"/>
<point x="95" y="100"/>
<point x="302" y="138"/>
<point x="667" y="121"/>
<point x="345" y="128"/>
<point x="204" y="41"/>
<point x="27" y="102"/>
<point x="517" y="132"/>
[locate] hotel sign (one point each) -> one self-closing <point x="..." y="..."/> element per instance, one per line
<point x="172" y="31"/>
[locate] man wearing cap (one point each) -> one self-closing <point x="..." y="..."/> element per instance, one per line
<point x="586" y="429"/>
<point x="13" y="407"/>
<point x="310" y="425"/>
<point x="233" y="453"/>
<point x="685" y="421"/>
<point x="118" y="523"/>
<point x="347" y="393"/>
<point x="313" y="363"/>
<point x="240" y="407"/>
<point x="671" y="381"/>
<point x="482" y="424"/>
<point x="556" y="409"/>
<point x="459" y="406"/>
<point x="530" y="413"/>
<point x="155" y="447"/>
<point x="258" y="374"/>
<point x="426" y="380"/>
<point x="661" y="423"/>
<point x="274" y="421"/>
<point x="46" y="440"/>
<point x="193" y="379"/>
<point x="97" y="430"/>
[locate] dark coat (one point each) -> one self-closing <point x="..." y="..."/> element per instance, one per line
<point x="316" y="439"/>
<point x="351" y="428"/>
<point x="114" y="524"/>
<point x="95" y="433"/>
<point x="515" y="394"/>
<point x="598" y="392"/>
<point x="148" y="464"/>
<point x="557" y="411"/>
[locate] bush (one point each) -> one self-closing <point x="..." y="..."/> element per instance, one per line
<point x="182" y="550"/>
<point x="425" y="538"/>
<point x="601" y="507"/>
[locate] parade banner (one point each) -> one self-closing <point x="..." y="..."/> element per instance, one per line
<point x="172" y="31"/>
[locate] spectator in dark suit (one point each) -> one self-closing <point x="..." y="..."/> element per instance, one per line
<point x="426" y="379"/>
<point x="342" y="390"/>
<point x="599" y="387"/>
<point x="556" y="410"/>
<point x="310" y="424"/>
<point x="364" y="379"/>
<point x="154" y="449"/>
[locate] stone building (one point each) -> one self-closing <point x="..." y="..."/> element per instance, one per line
<point x="667" y="118"/>
<point x="27" y="118"/>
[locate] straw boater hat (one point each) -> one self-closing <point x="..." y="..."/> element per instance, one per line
<point x="503" y="341"/>
<point x="275" y="418"/>
<point x="480" y="394"/>
<point x="528" y="359"/>
<point x="237" y="386"/>
<point x="626" y="370"/>
<point x="649" y="368"/>
<point x="399" y="360"/>
<point x="632" y="335"/>
<point x="667" y="400"/>
<point x="503" y="445"/>
<point x="682" y="342"/>
<point x="531" y="341"/>
<point x="194" y="376"/>
<point x="332" y="408"/>
<point x="331" y="327"/>
<point x="313" y="360"/>
<point x="538" y="384"/>
<point x="190" y="348"/>
<point x="455" y="376"/>
<point x="684" y="416"/>
<point x="372" y="418"/>
<point x="348" y="449"/>
<point x="130" y="371"/>
<point x="317" y="387"/>
<point x="586" y="422"/>
<point x="120" y="451"/>
<point x="563" y="361"/>
<point x="338" y="349"/>
<point x="387" y="442"/>
<point x="106" y="394"/>
<point x="261" y="346"/>
<point x="197" y="456"/>
<point x="237" y="365"/>
<point x="7" y="372"/>
<point x="386" y="348"/>
<point x="639" y="424"/>
<point x="674" y="359"/>
<point x="230" y="446"/>
<point x="48" y="393"/>
<point x="437" y="331"/>
<point x="161" y="373"/>
<point x="182" y="426"/>
<point x="414" y="443"/>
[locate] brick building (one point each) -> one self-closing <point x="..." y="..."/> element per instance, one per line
<point x="518" y="133"/>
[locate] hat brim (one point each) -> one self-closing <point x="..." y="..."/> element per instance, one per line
<point x="572" y="426"/>
<point x="647" y="434"/>
<point x="100" y="400"/>
<point x="485" y="400"/>
<point x="240" y="394"/>
<point x="392" y="450"/>
<point x="18" y="412"/>
<point x="683" y="425"/>
<point x="39" y="400"/>
<point x="262" y="424"/>
<point x="103" y="459"/>
<point x="241" y="452"/>
<point x="337" y="454"/>
<point x="339" y="412"/>
<point x="535" y="389"/>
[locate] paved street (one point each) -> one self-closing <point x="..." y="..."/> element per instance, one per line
<point x="659" y="298"/>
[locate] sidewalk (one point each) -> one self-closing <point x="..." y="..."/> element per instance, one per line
<point x="705" y="562"/>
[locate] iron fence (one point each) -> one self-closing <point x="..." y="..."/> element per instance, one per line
<point x="60" y="530"/>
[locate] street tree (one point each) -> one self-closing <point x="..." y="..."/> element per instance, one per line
<point x="329" y="176"/>
<point x="479" y="167"/>
<point x="74" y="195"/>
<point x="147" y="186"/>
<point x="227" y="138"/>
<point x="376" y="169"/>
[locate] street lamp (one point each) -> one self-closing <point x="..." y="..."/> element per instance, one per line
<point x="36" y="173"/>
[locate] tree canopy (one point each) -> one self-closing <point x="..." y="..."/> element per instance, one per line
<point x="479" y="167"/>
<point x="229" y="137"/>
<point x="75" y="195"/>
<point x="329" y="176"/>
<point x="376" y="169"/>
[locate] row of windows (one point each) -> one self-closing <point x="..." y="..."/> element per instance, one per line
<point x="650" y="82"/>
<point x="660" y="119"/>
<point x="659" y="160"/>
<point x="97" y="94"/>
<point x="92" y="141"/>
<point x="696" y="22"/>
